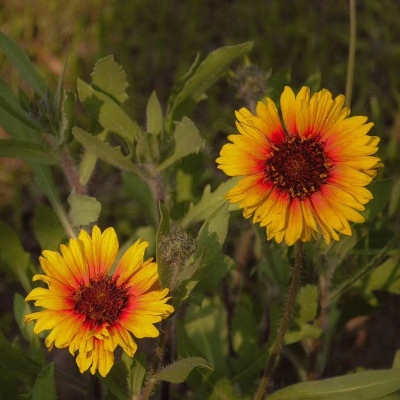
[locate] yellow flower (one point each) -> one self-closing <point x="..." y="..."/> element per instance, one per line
<point x="91" y="311"/>
<point x="305" y="179"/>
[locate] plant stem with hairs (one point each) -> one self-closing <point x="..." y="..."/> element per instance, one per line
<point x="352" y="53"/>
<point x="287" y="316"/>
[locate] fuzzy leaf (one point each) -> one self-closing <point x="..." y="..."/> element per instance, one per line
<point x="84" y="209"/>
<point x="21" y="61"/>
<point x="110" y="78"/>
<point x="367" y="385"/>
<point x="45" y="387"/>
<point x="187" y="141"/>
<point x="154" y="116"/>
<point x="27" y="151"/>
<point x="112" y="155"/>
<point x="209" y="202"/>
<point x="178" y="371"/>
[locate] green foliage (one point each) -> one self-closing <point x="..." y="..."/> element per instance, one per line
<point x="226" y="282"/>
<point x="367" y="385"/>
<point x="84" y="210"/>
<point x="44" y="387"/>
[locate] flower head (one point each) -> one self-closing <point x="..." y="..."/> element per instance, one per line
<point x="92" y="311"/>
<point x="308" y="177"/>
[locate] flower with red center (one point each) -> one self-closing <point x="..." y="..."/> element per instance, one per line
<point x="308" y="177"/>
<point x="91" y="311"/>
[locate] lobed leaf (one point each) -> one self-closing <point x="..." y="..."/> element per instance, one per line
<point x="187" y="141"/>
<point x="84" y="210"/>
<point x="112" y="155"/>
<point x="209" y="202"/>
<point x="110" y="78"/>
<point x="109" y="114"/>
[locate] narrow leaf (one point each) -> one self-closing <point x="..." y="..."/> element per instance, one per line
<point x="367" y="385"/>
<point x="22" y="308"/>
<point x="84" y="209"/>
<point x="154" y="115"/>
<point x="137" y="373"/>
<point x="88" y="163"/>
<point x="187" y="141"/>
<point x="27" y="151"/>
<point x="44" y="387"/>
<point x="178" y="371"/>
<point x="209" y="71"/>
<point x="21" y="61"/>
<point x="112" y="155"/>
<point x="110" y="78"/>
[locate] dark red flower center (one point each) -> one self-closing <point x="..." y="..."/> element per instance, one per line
<point x="101" y="300"/>
<point x="298" y="166"/>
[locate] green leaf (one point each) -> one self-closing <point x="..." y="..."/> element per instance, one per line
<point x="178" y="371"/>
<point x="116" y="382"/>
<point x="209" y="202"/>
<point x="137" y="372"/>
<point x="84" y="209"/>
<point x="147" y="150"/>
<point x="187" y="141"/>
<point x="306" y="331"/>
<point x="14" y="255"/>
<point x="22" y="308"/>
<point x="10" y="104"/>
<point x="44" y="180"/>
<point x="207" y="328"/>
<point x="18" y="57"/>
<point x="45" y="387"/>
<point x="112" y="155"/>
<point x="154" y="116"/>
<point x="109" y="114"/>
<point x="308" y="302"/>
<point x="381" y="191"/>
<point x="164" y="272"/>
<point x="27" y="151"/>
<point x="207" y="262"/>
<point x="209" y="71"/>
<point x="394" y="198"/>
<point x="88" y="163"/>
<point x="47" y="228"/>
<point x="110" y="78"/>
<point x="367" y="385"/>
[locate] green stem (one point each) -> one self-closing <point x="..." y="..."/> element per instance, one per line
<point x="158" y="357"/>
<point x="287" y="316"/>
<point x="352" y="53"/>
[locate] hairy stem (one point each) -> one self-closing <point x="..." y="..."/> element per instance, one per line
<point x="158" y="358"/>
<point x="287" y="316"/>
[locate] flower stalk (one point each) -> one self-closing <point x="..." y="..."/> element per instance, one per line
<point x="287" y="316"/>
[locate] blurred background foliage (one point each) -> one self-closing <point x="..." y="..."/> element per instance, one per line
<point x="156" y="41"/>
